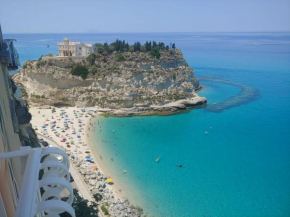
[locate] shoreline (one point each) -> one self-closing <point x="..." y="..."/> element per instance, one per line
<point x="129" y="113"/>
<point x="113" y="200"/>
<point x="96" y="152"/>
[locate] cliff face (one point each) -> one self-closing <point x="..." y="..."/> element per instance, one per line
<point x="135" y="79"/>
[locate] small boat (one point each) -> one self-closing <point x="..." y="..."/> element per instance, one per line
<point x="157" y="159"/>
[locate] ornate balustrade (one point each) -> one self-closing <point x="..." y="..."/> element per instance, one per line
<point x="54" y="179"/>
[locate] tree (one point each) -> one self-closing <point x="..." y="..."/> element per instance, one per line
<point x="82" y="208"/>
<point x="98" y="197"/>
<point x="127" y="47"/>
<point x="137" y="46"/>
<point x="100" y="47"/>
<point x="91" y="59"/>
<point x="173" y="46"/>
<point x="80" y="70"/>
<point x="148" y="46"/>
<point x="106" y="47"/>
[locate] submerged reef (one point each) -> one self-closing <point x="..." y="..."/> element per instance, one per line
<point x="246" y="95"/>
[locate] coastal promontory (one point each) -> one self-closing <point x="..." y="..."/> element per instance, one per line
<point x="120" y="83"/>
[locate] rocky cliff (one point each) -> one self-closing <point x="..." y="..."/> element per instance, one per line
<point x="133" y="81"/>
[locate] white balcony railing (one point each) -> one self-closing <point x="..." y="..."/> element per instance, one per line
<point x="54" y="181"/>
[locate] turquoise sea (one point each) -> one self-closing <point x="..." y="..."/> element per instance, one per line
<point x="236" y="151"/>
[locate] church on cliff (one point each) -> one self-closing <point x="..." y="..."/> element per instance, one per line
<point x="75" y="49"/>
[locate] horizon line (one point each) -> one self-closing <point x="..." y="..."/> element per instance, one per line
<point x="268" y="31"/>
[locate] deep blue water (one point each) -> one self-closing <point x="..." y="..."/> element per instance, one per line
<point x="241" y="166"/>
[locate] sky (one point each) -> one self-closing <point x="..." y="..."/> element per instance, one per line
<point x="97" y="16"/>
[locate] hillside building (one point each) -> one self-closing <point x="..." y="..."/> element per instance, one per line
<point x="75" y="49"/>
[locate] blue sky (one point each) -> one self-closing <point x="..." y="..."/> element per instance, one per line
<point x="83" y="16"/>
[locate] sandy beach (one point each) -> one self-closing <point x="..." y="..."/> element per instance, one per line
<point x="71" y="129"/>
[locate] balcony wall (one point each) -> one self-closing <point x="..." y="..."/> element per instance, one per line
<point x="42" y="170"/>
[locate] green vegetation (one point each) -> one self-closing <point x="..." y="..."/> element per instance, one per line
<point x="93" y="69"/>
<point x="80" y="70"/>
<point x="98" y="197"/>
<point x="122" y="46"/>
<point x="82" y="207"/>
<point x="37" y="96"/>
<point x="40" y="63"/>
<point x="155" y="53"/>
<point x="105" y="210"/>
<point x="120" y="58"/>
<point x="33" y="139"/>
<point x="91" y="59"/>
<point x="65" y="99"/>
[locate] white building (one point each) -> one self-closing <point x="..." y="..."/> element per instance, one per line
<point x="75" y="49"/>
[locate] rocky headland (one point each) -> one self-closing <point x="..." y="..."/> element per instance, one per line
<point x="124" y="83"/>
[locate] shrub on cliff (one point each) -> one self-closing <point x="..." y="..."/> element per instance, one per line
<point x="93" y="69"/>
<point x="91" y="59"/>
<point x="155" y="53"/>
<point x="120" y="58"/>
<point x="40" y="63"/>
<point x="80" y="70"/>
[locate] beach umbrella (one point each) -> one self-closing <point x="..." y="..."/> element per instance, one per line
<point x="87" y="157"/>
<point x="87" y="152"/>
<point x="95" y="167"/>
<point x="43" y="127"/>
<point x="109" y="180"/>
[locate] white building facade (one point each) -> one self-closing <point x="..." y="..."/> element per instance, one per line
<point x="75" y="49"/>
